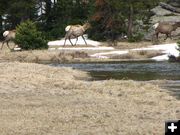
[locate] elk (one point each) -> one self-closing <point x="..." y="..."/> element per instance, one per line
<point x="9" y="36"/>
<point x="165" y="28"/>
<point x="75" y="31"/>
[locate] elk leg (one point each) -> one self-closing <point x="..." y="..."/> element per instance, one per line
<point x="170" y="36"/>
<point x="153" y="37"/>
<point x="71" y="42"/>
<point x="8" y="45"/>
<point x="166" y="36"/>
<point x="84" y="39"/>
<point x="157" y="36"/>
<point x="76" y="40"/>
<point x="2" y="45"/>
<point x="65" y="42"/>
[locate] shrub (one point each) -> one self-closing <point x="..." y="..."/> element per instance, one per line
<point x="178" y="46"/>
<point x="136" y="37"/>
<point x="28" y="37"/>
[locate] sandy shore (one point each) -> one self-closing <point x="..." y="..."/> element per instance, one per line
<point x="39" y="100"/>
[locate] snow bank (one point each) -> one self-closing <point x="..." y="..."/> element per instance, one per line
<point x="80" y="42"/>
<point x="97" y="55"/>
<point x="86" y="48"/>
<point x="166" y="49"/>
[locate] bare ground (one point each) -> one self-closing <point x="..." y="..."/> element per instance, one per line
<point x="41" y="100"/>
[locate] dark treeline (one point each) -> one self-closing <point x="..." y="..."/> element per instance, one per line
<point x="109" y="18"/>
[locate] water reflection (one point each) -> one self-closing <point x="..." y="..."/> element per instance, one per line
<point x="139" y="71"/>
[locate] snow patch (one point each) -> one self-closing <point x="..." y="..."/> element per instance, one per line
<point x="108" y="53"/>
<point x="167" y="49"/>
<point x="84" y="48"/>
<point x="80" y="42"/>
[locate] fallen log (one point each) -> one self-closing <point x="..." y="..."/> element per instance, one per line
<point x="169" y="7"/>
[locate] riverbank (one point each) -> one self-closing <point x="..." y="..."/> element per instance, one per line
<point x="39" y="99"/>
<point x="80" y="55"/>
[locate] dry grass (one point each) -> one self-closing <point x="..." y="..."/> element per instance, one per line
<point x="128" y="45"/>
<point x="42" y="56"/>
<point x="143" y="54"/>
<point x="61" y="56"/>
<point x="40" y="100"/>
<point x="45" y="56"/>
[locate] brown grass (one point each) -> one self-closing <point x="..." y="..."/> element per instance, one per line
<point x="40" y="100"/>
<point x="42" y="56"/>
<point x="143" y="54"/>
<point x="59" y="56"/>
<point x="45" y="56"/>
<point x="128" y="45"/>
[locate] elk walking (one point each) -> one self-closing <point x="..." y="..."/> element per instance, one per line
<point x="75" y="31"/>
<point x="9" y="36"/>
<point x="165" y="28"/>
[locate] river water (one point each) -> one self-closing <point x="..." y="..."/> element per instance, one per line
<point x="139" y="71"/>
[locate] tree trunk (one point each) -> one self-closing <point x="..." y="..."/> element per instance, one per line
<point x="1" y="26"/>
<point x="48" y="10"/>
<point x="48" y="7"/>
<point x="130" y="21"/>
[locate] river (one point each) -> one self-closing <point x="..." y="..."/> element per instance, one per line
<point x="138" y="71"/>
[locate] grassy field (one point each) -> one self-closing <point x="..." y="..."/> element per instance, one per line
<point x="42" y="100"/>
<point x="59" y="56"/>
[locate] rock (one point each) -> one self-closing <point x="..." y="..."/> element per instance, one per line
<point x="174" y="3"/>
<point x="155" y="19"/>
<point x="164" y="13"/>
<point x="160" y="11"/>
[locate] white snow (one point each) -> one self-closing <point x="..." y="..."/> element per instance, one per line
<point x="86" y="48"/>
<point x="17" y="49"/>
<point x="108" y="53"/>
<point x="80" y="42"/>
<point x="167" y="49"/>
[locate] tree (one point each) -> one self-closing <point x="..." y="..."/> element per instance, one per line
<point x="113" y="17"/>
<point x="3" y="5"/>
<point x="106" y="20"/>
<point x="28" y="37"/>
<point x="17" y="11"/>
<point x="63" y="13"/>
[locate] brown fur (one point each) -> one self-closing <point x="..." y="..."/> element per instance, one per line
<point x="166" y="28"/>
<point x="76" y="31"/>
<point x="9" y="37"/>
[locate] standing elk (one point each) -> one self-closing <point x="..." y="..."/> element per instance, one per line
<point x="75" y="31"/>
<point x="9" y="36"/>
<point x="165" y="28"/>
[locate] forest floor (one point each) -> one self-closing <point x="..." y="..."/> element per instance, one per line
<point x="39" y="100"/>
